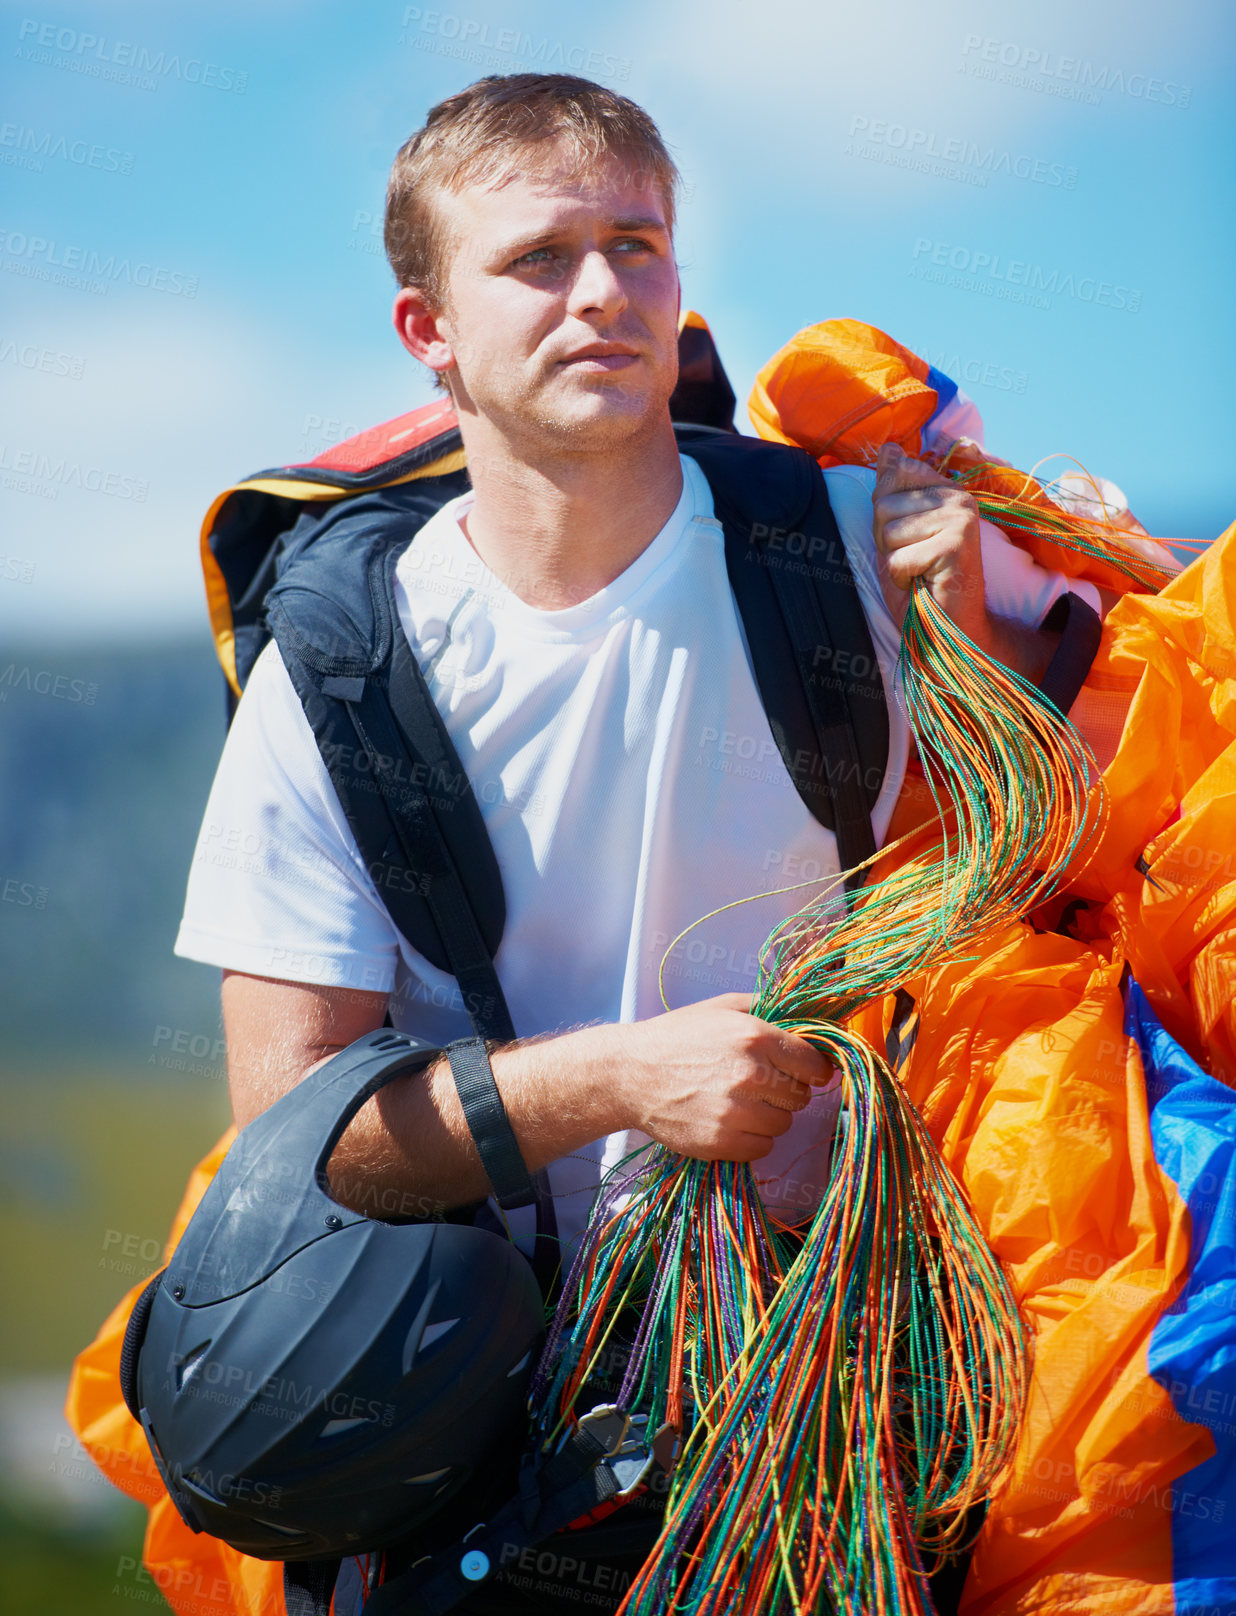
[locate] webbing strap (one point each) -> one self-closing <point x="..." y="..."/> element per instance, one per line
<point x="423" y="844"/>
<point x="1081" y="630"/>
<point x="491" y="1128"/>
<point x="842" y="768"/>
<point x="902" y="1031"/>
<point x="308" y="1586"/>
<point x="392" y="721"/>
<point x="425" y="850"/>
<point x="815" y="665"/>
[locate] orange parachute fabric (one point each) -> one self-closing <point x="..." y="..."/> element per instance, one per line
<point x="1165" y="870"/>
<point x="840" y="389"/>
<point x="1020" y="1063"/>
<point x="1038" y="1101"/>
<point x="196" y="1574"/>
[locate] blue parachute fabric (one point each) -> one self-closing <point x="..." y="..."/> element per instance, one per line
<point x="1193" y="1348"/>
<point x="945" y="386"/>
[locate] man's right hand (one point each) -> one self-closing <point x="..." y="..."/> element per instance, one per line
<point x="714" y="1082"/>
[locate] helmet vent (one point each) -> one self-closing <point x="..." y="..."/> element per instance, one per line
<point x="418" y="1327"/>
<point x="430" y="1475"/>
<point x="433" y="1332"/>
<point x="338" y="1427"/>
<point x="283" y="1531"/>
<point x="389" y="1040"/>
<point x="522" y="1362"/>
<point x="195" y="1484"/>
<point x="189" y="1364"/>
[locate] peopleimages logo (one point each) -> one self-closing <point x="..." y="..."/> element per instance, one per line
<point x="1016" y="280"/>
<point x="1071" y="77"/>
<point x="84" y="269"/>
<point x="973" y="372"/>
<point x="22" y="146"/>
<point x="120" y="61"/>
<point x="950" y="156"/>
<point x="35" y="471"/>
<point x="44" y="682"/>
<point x="34" y="356"/>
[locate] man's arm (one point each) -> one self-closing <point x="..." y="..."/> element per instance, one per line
<point x="708" y="1080"/>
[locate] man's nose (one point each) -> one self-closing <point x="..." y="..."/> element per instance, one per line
<point x="597" y="288"/>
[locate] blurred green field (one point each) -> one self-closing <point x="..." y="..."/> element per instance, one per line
<point x="57" y="1569"/>
<point x="93" y="1168"/>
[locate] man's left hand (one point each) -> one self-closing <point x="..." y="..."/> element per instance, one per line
<point x="927" y="527"/>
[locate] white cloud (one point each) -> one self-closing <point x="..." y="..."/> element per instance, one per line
<point x="790" y="81"/>
<point x="174" y="401"/>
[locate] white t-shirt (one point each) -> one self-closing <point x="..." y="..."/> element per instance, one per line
<point x="628" y="779"/>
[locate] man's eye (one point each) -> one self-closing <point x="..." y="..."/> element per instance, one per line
<point x="538" y="256"/>
<point x="633" y="244"/>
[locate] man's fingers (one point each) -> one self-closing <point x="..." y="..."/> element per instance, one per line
<point x="896" y="471"/>
<point x="919" y="528"/>
<point x="755" y="1117"/>
<point x="746" y="1147"/>
<point x="905" y="503"/>
<point x="920" y="513"/>
<point x="794" y="1056"/>
<point x="784" y="1092"/>
<point x="911" y="560"/>
<point x="911" y="531"/>
<point x="732" y="1001"/>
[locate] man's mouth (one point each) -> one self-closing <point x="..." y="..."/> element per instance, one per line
<point x="601" y="357"/>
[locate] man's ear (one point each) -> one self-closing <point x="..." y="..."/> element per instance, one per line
<point x="418" y="327"/>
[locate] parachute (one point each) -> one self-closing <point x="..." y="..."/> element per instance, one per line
<point x="1079" y="1076"/>
<point x="1077" y="1071"/>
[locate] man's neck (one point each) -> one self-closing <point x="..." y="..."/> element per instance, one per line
<point x="557" y="530"/>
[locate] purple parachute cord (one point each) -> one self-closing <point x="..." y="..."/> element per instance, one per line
<point x="612" y="1189"/>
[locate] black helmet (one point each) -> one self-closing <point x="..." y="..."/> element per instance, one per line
<point x="313" y="1383"/>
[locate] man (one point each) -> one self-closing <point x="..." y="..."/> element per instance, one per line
<point x="575" y="624"/>
<point x="574" y="621"/>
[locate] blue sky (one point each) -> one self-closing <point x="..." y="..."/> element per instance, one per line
<point x="914" y="166"/>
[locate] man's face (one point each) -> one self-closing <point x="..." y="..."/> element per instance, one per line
<point x="562" y="304"/>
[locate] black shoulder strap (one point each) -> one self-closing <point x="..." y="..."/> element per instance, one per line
<point x="308" y="1586"/>
<point x="331" y="615"/>
<point x="1081" y="631"/>
<point x="404" y="790"/>
<point x="810" y="643"/>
